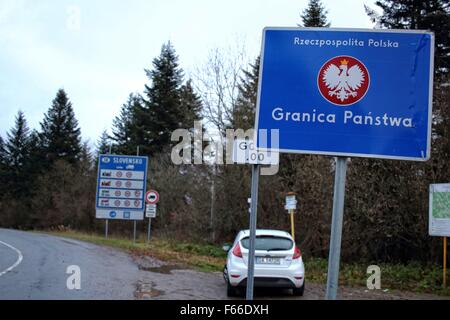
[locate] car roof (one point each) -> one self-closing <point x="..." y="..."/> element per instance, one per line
<point x="266" y="232"/>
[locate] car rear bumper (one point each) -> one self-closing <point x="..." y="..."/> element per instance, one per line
<point x="292" y="277"/>
<point x="270" y="282"/>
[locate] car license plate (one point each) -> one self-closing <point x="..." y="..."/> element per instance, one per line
<point x="267" y="260"/>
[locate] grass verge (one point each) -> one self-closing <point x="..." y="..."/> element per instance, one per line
<point x="211" y="258"/>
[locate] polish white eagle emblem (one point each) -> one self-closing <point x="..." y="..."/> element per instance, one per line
<point x="343" y="80"/>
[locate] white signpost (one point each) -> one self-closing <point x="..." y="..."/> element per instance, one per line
<point x="291" y="203"/>
<point x="291" y="206"/>
<point x="151" y="198"/>
<point x="150" y="211"/>
<point x="439" y="213"/>
<point x="439" y="218"/>
<point x="244" y="152"/>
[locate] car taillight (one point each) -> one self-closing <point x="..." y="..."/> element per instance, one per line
<point x="237" y="251"/>
<point x="297" y="253"/>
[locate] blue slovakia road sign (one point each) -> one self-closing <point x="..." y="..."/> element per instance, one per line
<point x="121" y="187"/>
<point x="347" y="92"/>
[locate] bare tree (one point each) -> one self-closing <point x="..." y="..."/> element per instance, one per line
<point x="217" y="82"/>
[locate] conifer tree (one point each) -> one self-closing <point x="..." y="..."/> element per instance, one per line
<point x="103" y="144"/>
<point x="315" y="15"/>
<point x="17" y="156"/>
<point x="17" y="142"/>
<point x="36" y="156"/>
<point x="60" y="134"/>
<point x="2" y="153"/>
<point x="431" y="15"/>
<point x="162" y="100"/>
<point x="244" y="111"/>
<point x="85" y="162"/>
<point x="129" y="127"/>
<point x="3" y="170"/>
<point x="190" y="105"/>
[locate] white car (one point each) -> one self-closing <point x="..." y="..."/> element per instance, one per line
<point x="278" y="262"/>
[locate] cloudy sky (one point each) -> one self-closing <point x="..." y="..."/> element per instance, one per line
<point x="97" y="49"/>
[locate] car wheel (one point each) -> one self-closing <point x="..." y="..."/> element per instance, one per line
<point x="299" y="291"/>
<point x="231" y="291"/>
<point x="225" y="273"/>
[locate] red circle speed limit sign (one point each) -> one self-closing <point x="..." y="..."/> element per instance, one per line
<point x="152" y="197"/>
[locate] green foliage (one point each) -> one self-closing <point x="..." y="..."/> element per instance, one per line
<point x="17" y="143"/>
<point x="16" y="157"/>
<point x="129" y="128"/>
<point x="163" y="111"/>
<point x="103" y="144"/>
<point x="245" y="108"/>
<point x="66" y="197"/>
<point x="3" y="163"/>
<point x="431" y="15"/>
<point x="412" y="276"/>
<point x="315" y="15"/>
<point x="190" y="105"/>
<point x="60" y="135"/>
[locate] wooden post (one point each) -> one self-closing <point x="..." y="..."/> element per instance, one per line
<point x="292" y="224"/>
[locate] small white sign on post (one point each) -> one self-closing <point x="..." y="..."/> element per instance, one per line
<point x="244" y="152"/>
<point x="150" y="211"/>
<point x="291" y="203"/>
<point x="439" y="213"/>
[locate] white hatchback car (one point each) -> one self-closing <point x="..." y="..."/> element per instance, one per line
<point x="278" y="262"/>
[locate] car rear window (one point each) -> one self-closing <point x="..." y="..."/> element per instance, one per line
<point x="271" y="243"/>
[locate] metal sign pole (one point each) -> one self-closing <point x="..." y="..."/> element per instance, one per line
<point x="445" y="263"/>
<point x="253" y="215"/>
<point x="336" y="228"/>
<point x="107" y="220"/>
<point x="134" y="222"/>
<point x="149" y="229"/>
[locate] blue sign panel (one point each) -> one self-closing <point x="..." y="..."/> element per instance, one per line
<point x="121" y="187"/>
<point x="351" y="92"/>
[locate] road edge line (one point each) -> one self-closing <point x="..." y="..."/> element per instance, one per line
<point x="19" y="260"/>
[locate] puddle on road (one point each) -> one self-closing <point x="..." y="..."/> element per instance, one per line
<point x="166" y="269"/>
<point x="145" y="291"/>
<point x="151" y="264"/>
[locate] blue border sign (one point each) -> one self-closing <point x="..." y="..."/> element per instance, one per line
<point x="347" y="92"/>
<point x="121" y="187"/>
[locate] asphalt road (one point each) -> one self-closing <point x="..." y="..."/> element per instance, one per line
<point x="41" y="274"/>
<point x="33" y="266"/>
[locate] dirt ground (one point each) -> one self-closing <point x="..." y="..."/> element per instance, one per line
<point x="164" y="281"/>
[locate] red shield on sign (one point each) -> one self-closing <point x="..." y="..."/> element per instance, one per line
<point x="343" y="80"/>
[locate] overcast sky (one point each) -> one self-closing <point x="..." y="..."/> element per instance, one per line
<point x="99" y="58"/>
